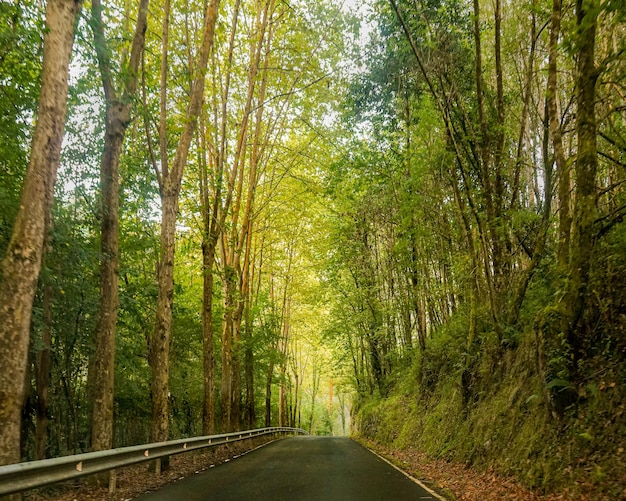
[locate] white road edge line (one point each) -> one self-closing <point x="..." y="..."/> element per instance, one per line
<point x="413" y="479"/>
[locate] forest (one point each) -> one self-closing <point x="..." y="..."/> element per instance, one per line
<point x="397" y="219"/>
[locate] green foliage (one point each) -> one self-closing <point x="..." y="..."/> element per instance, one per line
<point x="20" y="66"/>
<point x="374" y="237"/>
<point x="508" y="426"/>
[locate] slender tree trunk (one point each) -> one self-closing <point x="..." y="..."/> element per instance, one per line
<point x="314" y="388"/>
<point x="244" y="314"/>
<point x="214" y="216"/>
<point x="282" y="390"/>
<point x="233" y="246"/>
<point x="43" y="376"/>
<point x="235" y="390"/>
<point x="418" y="305"/>
<point x="160" y="343"/>
<point x="22" y="262"/>
<point x="170" y="184"/>
<point x="118" y="117"/>
<point x="586" y="167"/>
<point x="208" y="414"/>
<point x="226" y="387"/>
<point x="282" y="398"/>
<point x="268" y="394"/>
<point x="104" y="364"/>
<point x="562" y="167"/>
<point x="249" y="371"/>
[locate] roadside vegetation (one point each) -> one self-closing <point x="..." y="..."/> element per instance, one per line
<point x="400" y="218"/>
<point x="482" y="269"/>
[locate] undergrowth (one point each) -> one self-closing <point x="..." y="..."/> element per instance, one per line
<point x="516" y="408"/>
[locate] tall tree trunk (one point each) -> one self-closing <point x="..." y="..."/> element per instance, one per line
<point x="118" y="117"/>
<point x="22" y="262"/>
<point x="314" y="387"/>
<point x="43" y="376"/>
<point x="268" y="394"/>
<point x="214" y="212"/>
<point x="170" y="184"/>
<point x="160" y="344"/>
<point x="282" y="390"/>
<point x="243" y="314"/>
<point x="562" y="167"/>
<point x="235" y="395"/>
<point x="586" y="167"/>
<point x="492" y="254"/>
<point x="249" y="370"/>
<point x="226" y="388"/>
<point x="418" y="304"/>
<point x="282" y="398"/>
<point x="208" y="413"/>
<point x="233" y="244"/>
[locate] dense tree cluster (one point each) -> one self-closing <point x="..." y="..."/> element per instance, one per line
<point x="256" y="206"/>
<point x="480" y="214"/>
<point x="489" y="161"/>
<point x="171" y="281"/>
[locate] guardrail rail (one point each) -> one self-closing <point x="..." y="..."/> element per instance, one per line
<point x="33" y="474"/>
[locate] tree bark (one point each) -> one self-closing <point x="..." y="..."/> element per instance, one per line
<point x="118" y="118"/>
<point x="208" y="412"/>
<point x="585" y="208"/>
<point x="250" y="411"/>
<point x="22" y="263"/>
<point x="282" y="390"/>
<point x="226" y="388"/>
<point x="214" y="212"/>
<point x="233" y="243"/>
<point x="562" y="167"/>
<point x="268" y="394"/>
<point x="171" y="180"/>
<point x="43" y="376"/>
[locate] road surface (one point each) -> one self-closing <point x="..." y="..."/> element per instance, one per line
<point x="296" y="469"/>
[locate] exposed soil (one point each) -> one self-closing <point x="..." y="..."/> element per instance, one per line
<point x="133" y="481"/>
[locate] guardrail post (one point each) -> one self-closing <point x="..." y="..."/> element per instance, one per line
<point x="112" y="482"/>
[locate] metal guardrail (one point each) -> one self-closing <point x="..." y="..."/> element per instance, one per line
<point x="30" y="475"/>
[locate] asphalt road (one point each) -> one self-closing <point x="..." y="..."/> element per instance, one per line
<point x="296" y="469"/>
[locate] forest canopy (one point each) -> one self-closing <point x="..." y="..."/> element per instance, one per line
<point x="230" y="214"/>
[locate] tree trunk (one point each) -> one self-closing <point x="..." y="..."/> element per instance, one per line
<point x="282" y="390"/>
<point x="43" y="376"/>
<point x="247" y="283"/>
<point x="104" y="364"/>
<point x="565" y="219"/>
<point x="249" y="371"/>
<point x="170" y="184"/>
<point x="160" y="343"/>
<point x="268" y="394"/>
<point x="22" y="263"/>
<point x="586" y="167"/>
<point x="226" y="387"/>
<point x="118" y="113"/>
<point x="282" y="398"/>
<point x="208" y="414"/>
<point x="235" y="396"/>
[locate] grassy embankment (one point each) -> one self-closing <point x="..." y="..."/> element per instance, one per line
<point x="525" y="406"/>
